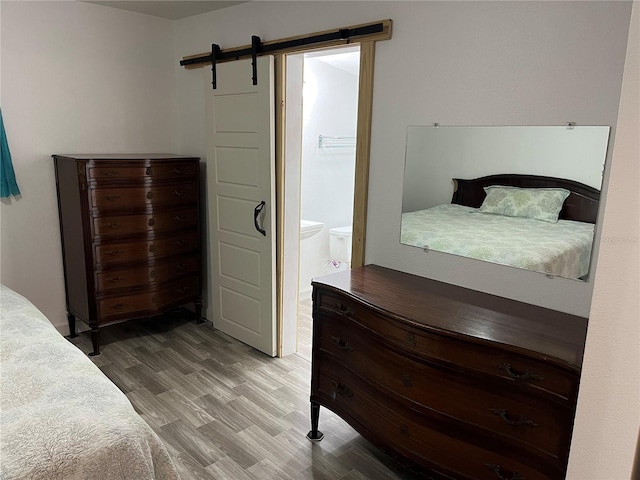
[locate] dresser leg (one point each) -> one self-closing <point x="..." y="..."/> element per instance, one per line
<point x="198" y="305"/>
<point x="315" y="435"/>
<point x="72" y="325"/>
<point x="95" y="340"/>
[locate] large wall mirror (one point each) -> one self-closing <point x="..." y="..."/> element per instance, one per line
<point x="522" y="196"/>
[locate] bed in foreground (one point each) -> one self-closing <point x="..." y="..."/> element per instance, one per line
<point x="60" y="416"/>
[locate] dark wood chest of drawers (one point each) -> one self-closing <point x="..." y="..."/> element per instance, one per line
<point x="456" y="383"/>
<point x="130" y="228"/>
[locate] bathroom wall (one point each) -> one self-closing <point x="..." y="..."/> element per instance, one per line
<point x="330" y="109"/>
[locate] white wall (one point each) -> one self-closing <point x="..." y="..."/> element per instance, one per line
<point x="76" y="78"/>
<point x="608" y="417"/>
<point x="458" y="63"/>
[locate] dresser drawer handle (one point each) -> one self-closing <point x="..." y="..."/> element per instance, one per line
<point x="341" y="390"/>
<point x="112" y="198"/>
<point x="344" y="310"/>
<point x="111" y="173"/>
<point x="178" y="192"/>
<point x="114" y="253"/>
<point x="149" y="195"/>
<point x="154" y="299"/>
<point x="152" y="274"/>
<point x="114" y="280"/>
<point x="152" y="248"/>
<point x="527" y="375"/>
<point x="407" y="381"/>
<point x="114" y="225"/>
<point x="148" y="171"/>
<point x="151" y="222"/>
<point x="410" y="339"/>
<point x="117" y="306"/>
<point x="177" y="171"/>
<point x="342" y="344"/>
<point x="182" y="290"/>
<point x="181" y="266"/>
<point x="179" y="218"/>
<point x="180" y="243"/>
<point x="517" y="421"/>
<point x="498" y="469"/>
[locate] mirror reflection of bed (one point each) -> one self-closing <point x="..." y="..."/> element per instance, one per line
<point x="524" y="197"/>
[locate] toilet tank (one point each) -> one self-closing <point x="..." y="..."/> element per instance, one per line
<point x="340" y="244"/>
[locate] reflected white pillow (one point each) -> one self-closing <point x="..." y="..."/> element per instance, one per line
<point x="538" y="203"/>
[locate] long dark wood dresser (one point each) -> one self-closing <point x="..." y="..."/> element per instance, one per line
<point x="130" y="228"/>
<point x="453" y="382"/>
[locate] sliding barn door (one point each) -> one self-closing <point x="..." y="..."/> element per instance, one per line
<point x="241" y="204"/>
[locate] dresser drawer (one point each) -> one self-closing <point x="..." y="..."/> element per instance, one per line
<point x="418" y="436"/>
<point x="108" y="254"/>
<point x="140" y="198"/>
<point x="136" y="224"/>
<point x="163" y="272"/>
<point x="510" y="413"/>
<point x="512" y="367"/>
<point x="163" y="171"/>
<point x="148" y="302"/>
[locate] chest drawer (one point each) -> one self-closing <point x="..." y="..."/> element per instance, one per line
<point x="510" y="413"/>
<point x="159" y="273"/>
<point x="148" y="302"/>
<point x="511" y="367"/>
<point x="419" y="436"/>
<point x="140" y="198"/>
<point x="170" y="171"/>
<point x="137" y="224"/>
<point x="109" y="254"/>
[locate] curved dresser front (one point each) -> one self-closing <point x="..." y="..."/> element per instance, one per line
<point x="453" y="382"/>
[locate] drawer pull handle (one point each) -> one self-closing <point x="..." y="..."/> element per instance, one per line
<point x="154" y="299"/>
<point x="521" y="377"/>
<point x="181" y="266"/>
<point x="148" y="171"/>
<point x="114" y="253"/>
<point x="344" y="310"/>
<point x="518" y="421"/>
<point x="179" y="218"/>
<point x="177" y="171"/>
<point x="114" y="225"/>
<point x="110" y="173"/>
<point x="410" y="339"/>
<point x="117" y="306"/>
<point x="112" y="198"/>
<point x="152" y="222"/>
<point x="149" y="195"/>
<point x="342" y="344"/>
<point x="341" y="390"/>
<point x="180" y="243"/>
<point x="114" y="280"/>
<point x="152" y="274"/>
<point x="501" y="476"/>
<point x="407" y="381"/>
<point x="178" y="192"/>
<point x="152" y="248"/>
<point x="182" y="290"/>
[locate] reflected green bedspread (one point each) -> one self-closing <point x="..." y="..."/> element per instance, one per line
<point x="562" y="249"/>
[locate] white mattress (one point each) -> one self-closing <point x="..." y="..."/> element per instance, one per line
<point x="60" y="416"/>
<point x="562" y="249"/>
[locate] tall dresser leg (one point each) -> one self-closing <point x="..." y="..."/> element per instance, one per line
<point x="315" y="435"/>
<point x="95" y="340"/>
<point x="198" y="305"/>
<point x="72" y="325"/>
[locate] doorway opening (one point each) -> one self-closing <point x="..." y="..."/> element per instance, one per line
<point x="320" y="167"/>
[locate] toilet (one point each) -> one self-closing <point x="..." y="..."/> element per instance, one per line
<point x="340" y="244"/>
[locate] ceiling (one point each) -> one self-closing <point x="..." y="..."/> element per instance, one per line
<point x="171" y="9"/>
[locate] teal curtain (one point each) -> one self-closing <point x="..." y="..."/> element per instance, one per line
<point x="8" y="183"/>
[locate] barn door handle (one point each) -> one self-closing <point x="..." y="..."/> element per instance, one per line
<point x="256" y="212"/>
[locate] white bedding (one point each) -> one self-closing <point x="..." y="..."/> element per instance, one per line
<point x="562" y="248"/>
<point x="60" y="416"/>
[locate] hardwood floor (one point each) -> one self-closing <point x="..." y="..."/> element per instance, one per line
<point x="226" y="411"/>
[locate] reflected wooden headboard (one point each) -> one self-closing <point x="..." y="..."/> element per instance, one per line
<point x="581" y="205"/>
